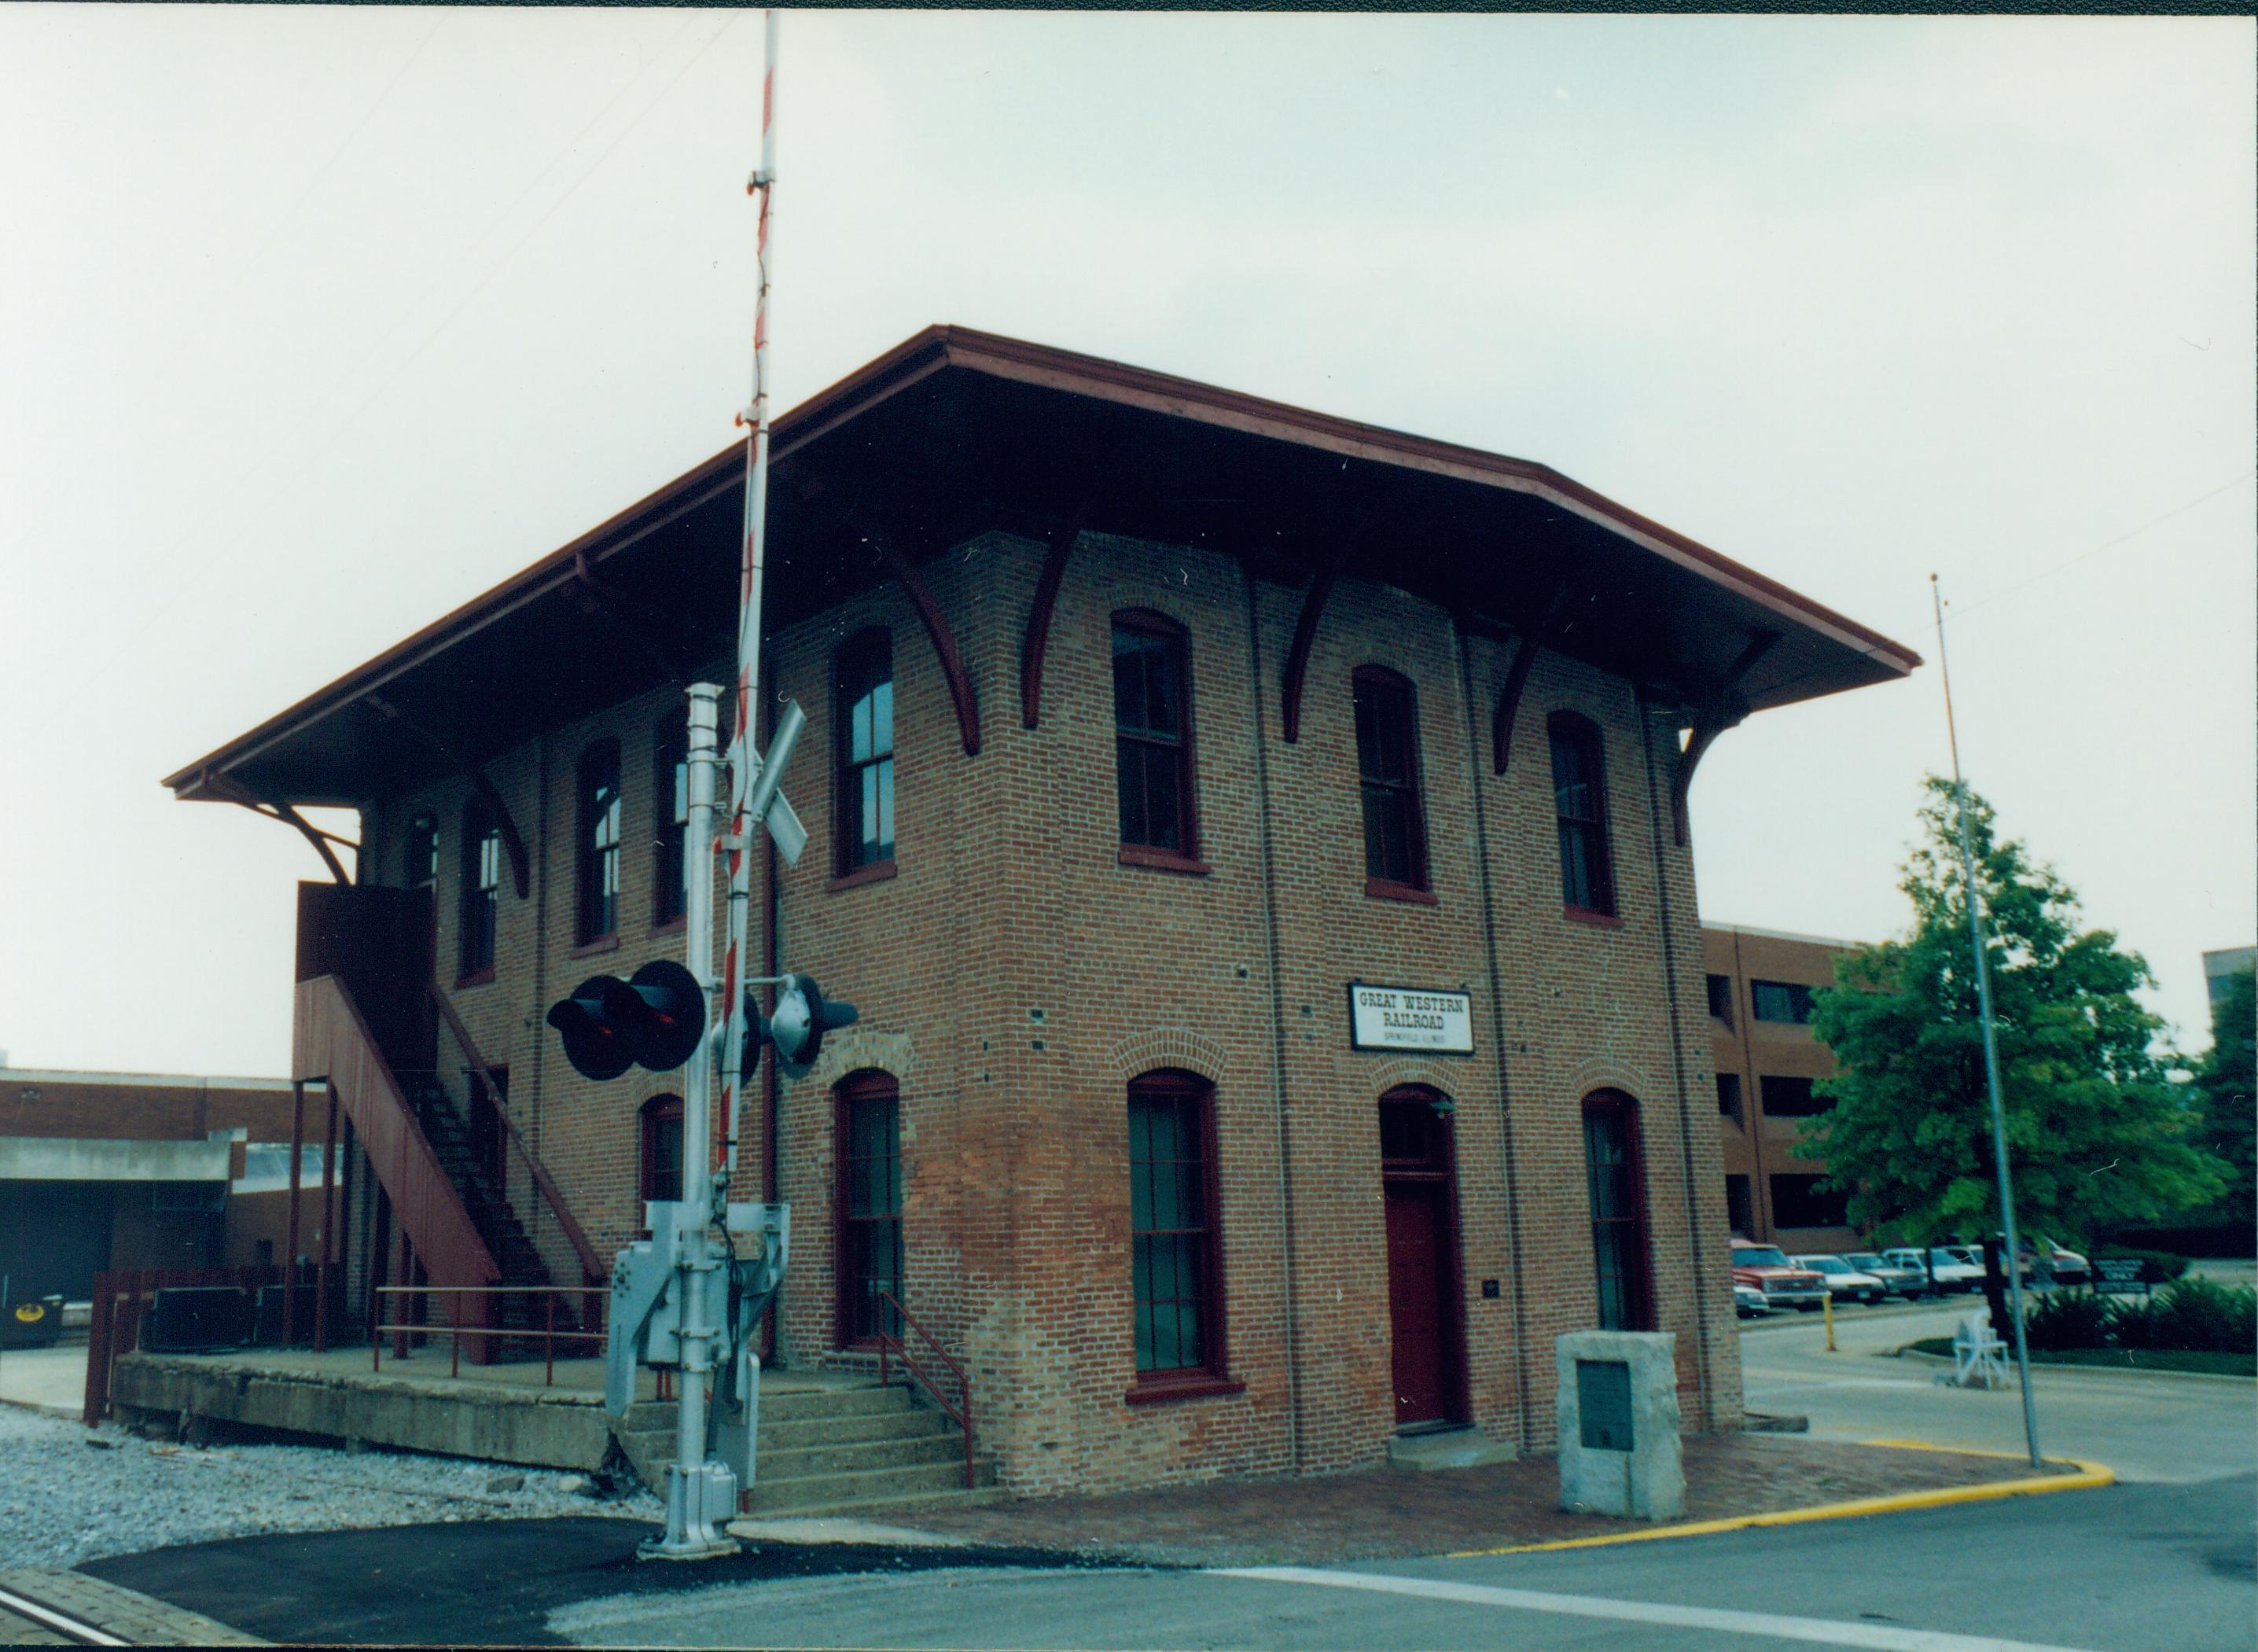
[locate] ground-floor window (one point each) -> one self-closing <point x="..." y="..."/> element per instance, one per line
<point x="1797" y="1202"/>
<point x="1174" y="1226"/>
<point x="1740" y="1212"/>
<point x="869" y="1207"/>
<point x="662" y="1149"/>
<point x="1618" y="1197"/>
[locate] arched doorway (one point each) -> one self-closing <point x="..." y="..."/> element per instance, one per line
<point x="1426" y="1315"/>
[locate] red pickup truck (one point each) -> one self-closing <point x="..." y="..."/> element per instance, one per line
<point x="1768" y="1270"/>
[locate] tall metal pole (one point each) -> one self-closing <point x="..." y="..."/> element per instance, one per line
<point x="1990" y="1039"/>
<point x="690" y="1501"/>
<point x="742" y="827"/>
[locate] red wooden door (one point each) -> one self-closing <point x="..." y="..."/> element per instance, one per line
<point x="1415" y="1283"/>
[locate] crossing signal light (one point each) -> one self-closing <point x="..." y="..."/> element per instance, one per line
<point x="803" y="1015"/>
<point x="654" y="1018"/>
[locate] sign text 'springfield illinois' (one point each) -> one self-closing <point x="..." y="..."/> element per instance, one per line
<point x="1410" y="1018"/>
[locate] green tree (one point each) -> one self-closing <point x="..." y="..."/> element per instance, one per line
<point x="2226" y="1081"/>
<point x="2097" y="1132"/>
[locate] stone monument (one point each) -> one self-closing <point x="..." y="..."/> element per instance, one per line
<point x="1618" y="1414"/>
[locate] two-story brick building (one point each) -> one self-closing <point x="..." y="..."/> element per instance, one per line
<point x="1147" y="721"/>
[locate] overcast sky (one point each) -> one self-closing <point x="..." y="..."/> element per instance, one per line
<point x="315" y="322"/>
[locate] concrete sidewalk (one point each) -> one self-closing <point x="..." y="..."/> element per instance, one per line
<point x="48" y="1380"/>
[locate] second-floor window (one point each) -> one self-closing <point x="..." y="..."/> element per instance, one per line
<point x="669" y="818"/>
<point x="1388" y="767"/>
<point x="865" y="718"/>
<point x="599" y="841"/>
<point x="1579" y="802"/>
<point x="481" y="890"/>
<point x="420" y="852"/>
<point x="1788" y="1001"/>
<point x="1152" y="734"/>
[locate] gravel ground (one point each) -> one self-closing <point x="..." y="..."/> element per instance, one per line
<point x="68" y="1493"/>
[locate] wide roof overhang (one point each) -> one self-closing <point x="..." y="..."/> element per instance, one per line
<point x="954" y="431"/>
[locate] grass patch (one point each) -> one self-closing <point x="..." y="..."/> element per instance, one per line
<point x="2124" y="1358"/>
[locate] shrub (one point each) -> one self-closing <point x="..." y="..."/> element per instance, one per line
<point x="2197" y="1316"/>
<point x="2158" y="1267"/>
<point x="2068" y="1319"/>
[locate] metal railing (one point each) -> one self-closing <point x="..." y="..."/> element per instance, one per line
<point x="550" y="1335"/>
<point x="893" y="1346"/>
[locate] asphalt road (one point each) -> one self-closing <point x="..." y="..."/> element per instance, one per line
<point x="2146" y="1425"/>
<point x="2130" y="1569"/>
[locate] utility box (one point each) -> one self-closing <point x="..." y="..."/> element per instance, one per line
<point x="1618" y="1413"/>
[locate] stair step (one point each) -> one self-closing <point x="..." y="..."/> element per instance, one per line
<point x="926" y="1481"/>
<point x="791" y="1435"/>
<point x="803" y="1462"/>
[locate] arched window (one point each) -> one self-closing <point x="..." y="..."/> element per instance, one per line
<point x="1388" y="767"/>
<point x="661" y="1155"/>
<point x="863" y="712"/>
<point x="1174" y="1228"/>
<point x="1618" y="1197"/>
<point x="481" y="892"/>
<point x="1153" y="738"/>
<point x="599" y="841"/>
<point x="1587" y="883"/>
<point x="419" y="852"/>
<point x="669" y="816"/>
<point x="868" y="1205"/>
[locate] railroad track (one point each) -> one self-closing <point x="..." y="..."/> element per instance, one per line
<point x="60" y="1628"/>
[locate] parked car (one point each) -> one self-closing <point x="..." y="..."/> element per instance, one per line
<point x="1952" y="1272"/>
<point x="1900" y="1279"/>
<point x="1845" y="1283"/>
<point x="1748" y="1302"/>
<point x="2065" y="1265"/>
<point x="1784" y="1284"/>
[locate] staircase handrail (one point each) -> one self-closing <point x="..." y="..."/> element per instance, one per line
<point x="891" y="1346"/>
<point x="592" y="1271"/>
<point x="333" y="1043"/>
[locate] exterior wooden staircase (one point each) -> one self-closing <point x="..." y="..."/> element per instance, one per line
<point x="828" y="1445"/>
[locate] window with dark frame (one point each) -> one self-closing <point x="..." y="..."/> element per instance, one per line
<point x="1798" y="1202"/>
<point x="1580" y="805"/>
<point x="869" y="1203"/>
<point x="1728" y="1095"/>
<point x="1152" y="734"/>
<point x="1786" y="1098"/>
<point x="599" y="841"/>
<point x="864" y="714"/>
<point x="481" y="891"/>
<point x="669" y="815"/>
<point x="1388" y="772"/>
<point x="419" y="856"/>
<point x="1784" y="1001"/>
<point x="662" y="1148"/>
<point x="1740" y="1212"/>
<point x="1721" y="998"/>
<point x="1611" y="1168"/>
<point x="1173" y="1227"/>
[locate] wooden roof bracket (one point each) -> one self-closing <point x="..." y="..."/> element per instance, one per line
<point x="634" y="618"/>
<point x="1722" y="709"/>
<point x="1517" y="680"/>
<point x="226" y="786"/>
<point x="1305" y="632"/>
<point x="935" y="623"/>
<point x="511" y="842"/>
<point x="1036" y="644"/>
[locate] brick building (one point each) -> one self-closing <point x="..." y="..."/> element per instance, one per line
<point x="1147" y="723"/>
<point x="1759" y="986"/>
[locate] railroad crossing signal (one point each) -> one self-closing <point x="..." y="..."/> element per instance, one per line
<point x="655" y="1020"/>
<point x="803" y="1015"/>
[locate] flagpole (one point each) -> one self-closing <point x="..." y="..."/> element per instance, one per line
<point x="1990" y="1039"/>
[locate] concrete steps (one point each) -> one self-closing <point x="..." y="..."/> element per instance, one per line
<point x="825" y="1449"/>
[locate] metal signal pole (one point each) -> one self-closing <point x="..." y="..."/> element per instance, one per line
<point x="742" y="827"/>
<point x="1990" y="1039"/>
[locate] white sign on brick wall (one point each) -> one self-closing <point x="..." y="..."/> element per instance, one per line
<point x="1410" y="1018"/>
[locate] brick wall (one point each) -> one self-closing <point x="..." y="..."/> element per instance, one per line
<point x="1013" y="977"/>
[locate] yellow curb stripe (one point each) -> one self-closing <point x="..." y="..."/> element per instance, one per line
<point x="2089" y="1476"/>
